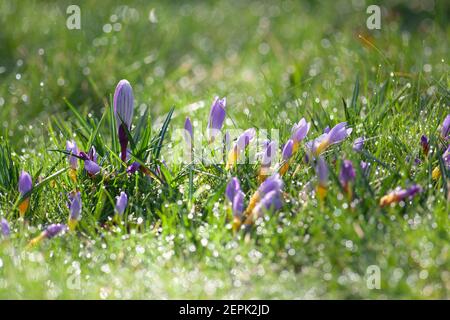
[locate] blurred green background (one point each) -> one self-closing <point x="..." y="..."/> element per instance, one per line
<point x="257" y="53"/>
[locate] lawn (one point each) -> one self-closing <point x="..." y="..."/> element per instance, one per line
<point x="337" y="224"/>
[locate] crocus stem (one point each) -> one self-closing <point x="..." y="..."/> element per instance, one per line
<point x="123" y="140"/>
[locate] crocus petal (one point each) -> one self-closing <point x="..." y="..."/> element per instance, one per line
<point x="91" y="167"/>
<point x="232" y="188"/>
<point x="358" y="144"/>
<point x="238" y="204"/>
<point x="53" y="229"/>
<point x="272" y="183"/>
<point x="216" y="117"/>
<point x="188" y="128"/>
<point x="445" y="131"/>
<point x="347" y="173"/>
<point x="93" y="154"/>
<point x="269" y="153"/>
<point x="25" y="183"/>
<point x="133" y="167"/>
<point x="287" y="150"/>
<point x="245" y="138"/>
<point x="271" y="201"/>
<point x="71" y="147"/>
<point x="322" y="171"/>
<point x="300" y="130"/>
<point x="75" y="206"/>
<point x="123" y="104"/>
<point x="338" y="133"/>
<point x="121" y="203"/>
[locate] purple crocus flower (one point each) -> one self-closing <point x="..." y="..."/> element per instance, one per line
<point x="188" y="130"/>
<point x="245" y="138"/>
<point x="123" y="111"/>
<point x="4" y="227"/>
<point x="240" y="145"/>
<point x="322" y="177"/>
<point x="400" y="194"/>
<point x="347" y="174"/>
<point x="50" y="232"/>
<point x="90" y="161"/>
<point x="273" y="182"/>
<point x="233" y="187"/>
<point x="445" y="131"/>
<point x="286" y="154"/>
<point x="269" y="153"/>
<point x="25" y="186"/>
<point x="238" y="204"/>
<point x="337" y="134"/>
<point x="53" y="230"/>
<point x="71" y="147"/>
<point x="216" y="117"/>
<point x="358" y="144"/>
<point x="446" y="157"/>
<point x="425" y="144"/>
<point x="75" y="205"/>
<point x="121" y="203"/>
<point x="322" y="171"/>
<point x="271" y="201"/>
<point x="74" y="209"/>
<point x="268" y="194"/>
<point x="25" y="183"/>
<point x="188" y="127"/>
<point x="300" y="130"/>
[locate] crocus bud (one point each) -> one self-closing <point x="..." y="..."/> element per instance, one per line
<point x="188" y="131"/>
<point x="123" y="111"/>
<point x="445" y="130"/>
<point x="25" y="183"/>
<point x="4" y="227"/>
<point x="75" y="209"/>
<point x="272" y="183"/>
<point x="268" y="156"/>
<point x="50" y="232"/>
<point x="358" y="144"/>
<point x="240" y="145"/>
<point x="299" y="132"/>
<point x="400" y="194"/>
<point x="233" y="187"/>
<point x="271" y="201"/>
<point x="54" y="229"/>
<point x="121" y="203"/>
<point x="216" y="117"/>
<point x="347" y="175"/>
<point x="322" y="177"/>
<point x="425" y="145"/>
<point x="286" y="154"/>
<point x="238" y="204"/>
<point x="25" y="186"/>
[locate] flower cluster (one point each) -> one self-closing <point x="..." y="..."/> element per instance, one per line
<point x="268" y="197"/>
